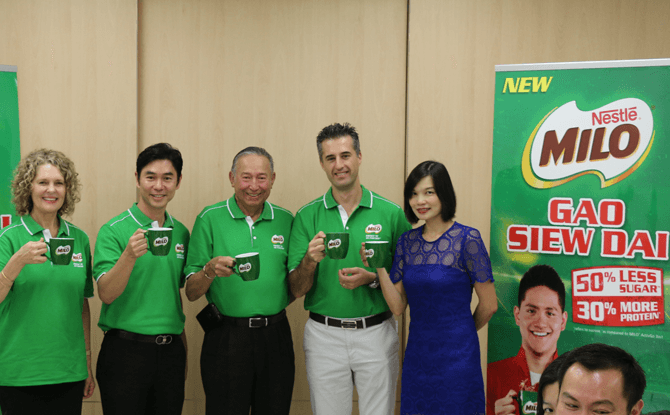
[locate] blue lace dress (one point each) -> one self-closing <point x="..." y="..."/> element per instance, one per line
<point x="442" y="369"/>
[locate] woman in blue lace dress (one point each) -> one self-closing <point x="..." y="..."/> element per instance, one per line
<point x="435" y="268"/>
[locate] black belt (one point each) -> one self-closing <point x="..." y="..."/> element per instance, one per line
<point x="254" y="322"/>
<point x="159" y="339"/>
<point x="351" y="323"/>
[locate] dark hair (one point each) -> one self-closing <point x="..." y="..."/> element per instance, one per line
<point x="336" y="131"/>
<point x="442" y="184"/>
<point x="551" y="374"/>
<point x="598" y="356"/>
<point x="259" y="151"/>
<point x="542" y="276"/>
<point x="160" y="151"/>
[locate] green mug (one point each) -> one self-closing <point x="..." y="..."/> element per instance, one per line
<point x="159" y="240"/>
<point x="376" y="253"/>
<point x="527" y="402"/>
<point x="61" y="250"/>
<point x="337" y="244"/>
<point x="248" y="266"/>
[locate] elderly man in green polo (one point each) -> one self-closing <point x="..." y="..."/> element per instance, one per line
<point x="247" y="359"/>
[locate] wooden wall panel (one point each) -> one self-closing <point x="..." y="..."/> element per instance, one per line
<point x="77" y="82"/>
<point x="453" y="49"/>
<point x="217" y="76"/>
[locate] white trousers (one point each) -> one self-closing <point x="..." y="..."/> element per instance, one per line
<point x="337" y="358"/>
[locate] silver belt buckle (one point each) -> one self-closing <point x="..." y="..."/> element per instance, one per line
<point x="163" y="339"/>
<point x="349" y="324"/>
<point x="251" y="326"/>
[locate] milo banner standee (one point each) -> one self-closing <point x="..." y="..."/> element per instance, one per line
<point x="10" y="154"/>
<point x="580" y="210"/>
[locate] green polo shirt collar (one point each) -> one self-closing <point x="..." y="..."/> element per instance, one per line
<point x="330" y="202"/>
<point x="33" y="227"/>
<point x="235" y="211"/>
<point x="144" y="220"/>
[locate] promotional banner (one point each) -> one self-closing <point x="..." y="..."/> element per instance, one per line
<point x="581" y="160"/>
<point x="10" y="154"/>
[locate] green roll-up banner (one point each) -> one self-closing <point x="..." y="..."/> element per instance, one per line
<point x="581" y="161"/>
<point x="10" y="153"/>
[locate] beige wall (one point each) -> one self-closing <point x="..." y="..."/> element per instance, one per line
<point x="77" y="75"/>
<point x="100" y="79"/>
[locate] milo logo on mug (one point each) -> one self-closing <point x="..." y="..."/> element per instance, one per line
<point x="248" y="266"/>
<point x="63" y="250"/>
<point x="530" y="408"/>
<point x="161" y="241"/>
<point x="337" y="244"/>
<point x="369" y="253"/>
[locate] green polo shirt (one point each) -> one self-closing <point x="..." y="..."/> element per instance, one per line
<point x="375" y="218"/>
<point x="41" y="331"/>
<point x="223" y="230"/>
<point x="151" y="302"/>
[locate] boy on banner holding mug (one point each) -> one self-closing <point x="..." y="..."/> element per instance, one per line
<point x="139" y="262"/>
<point x="237" y="258"/>
<point x="541" y="318"/>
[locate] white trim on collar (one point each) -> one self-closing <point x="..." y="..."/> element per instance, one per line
<point x="133" y="216"/>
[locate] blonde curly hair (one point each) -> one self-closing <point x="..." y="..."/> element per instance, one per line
<point x="25" y="173"/>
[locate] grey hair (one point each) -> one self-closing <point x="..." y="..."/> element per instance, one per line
<point x="259" y="151"/>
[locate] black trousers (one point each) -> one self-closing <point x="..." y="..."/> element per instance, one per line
<point x="248" y="368"/>
<point x="137" y="378"/>
<point x="58" y="399"/>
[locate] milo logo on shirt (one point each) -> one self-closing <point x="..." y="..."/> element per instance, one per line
<point x="373" y="229"/>
<point x="334" y="243"/>
<point x="63" y="250"/>
<point x="78" y="257"/>
<point x="245" y="267"/>
<point x="278" y="241"/>
<point x="179" y="248"/>
<point x="161" y="241"/>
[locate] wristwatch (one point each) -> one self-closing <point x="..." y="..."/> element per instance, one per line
<point x="374" y="284"/>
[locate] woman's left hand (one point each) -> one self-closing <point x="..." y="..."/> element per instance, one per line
<point x="364" y="257"/>
<point x="89" y="385"/>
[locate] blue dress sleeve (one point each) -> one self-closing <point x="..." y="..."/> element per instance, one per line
<point x="398" y="260"/>
<point x="477" y="261"/>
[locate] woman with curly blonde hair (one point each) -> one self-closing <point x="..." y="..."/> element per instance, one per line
<point x="45" y="358"/>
